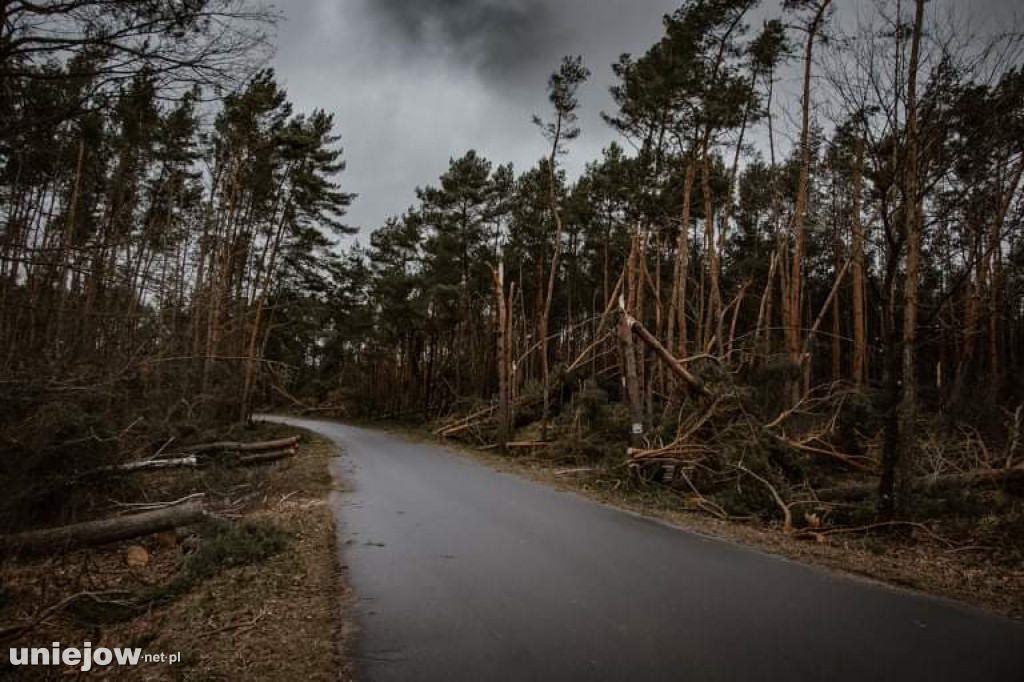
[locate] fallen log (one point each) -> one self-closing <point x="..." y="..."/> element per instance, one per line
<point x="456" y="429"/>
<point x="518" y="444"/>
<point x="464" y="422"/>
<point x="853" y="492"/>
<point x="190" y="461"/>
<point x="263" y="457"/>
<point x="849" y="460"/>
<point x="103" y="531"/>
<point x="690" y="451"/>
<point x="193" y="462"/>
<point x="233" y="446"/>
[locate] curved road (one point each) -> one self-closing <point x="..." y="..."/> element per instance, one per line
<point x="465" y="573"/>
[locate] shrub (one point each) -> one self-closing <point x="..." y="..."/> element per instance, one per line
<point x="227" y="545"/>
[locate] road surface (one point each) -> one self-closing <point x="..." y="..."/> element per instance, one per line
<point x="465" y="573"/>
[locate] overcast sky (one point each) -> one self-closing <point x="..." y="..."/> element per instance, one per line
<point x="412" y="83"/>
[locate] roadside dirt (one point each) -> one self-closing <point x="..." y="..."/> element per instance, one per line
<point x="265" y="604"/>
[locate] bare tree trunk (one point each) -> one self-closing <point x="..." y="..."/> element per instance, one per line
<point x="713" y="327"/>
<point x="995" y="299"/>
<point x="764" y="311"/>
<point x="552" y="276"/>
<point x="794" y="306"/>
<point x="680" y="274"/>
<point x="912" y="232"/>
<point x="859" y="322"/>
<point x="504" y="421"/>
<point x="636" y="410"/>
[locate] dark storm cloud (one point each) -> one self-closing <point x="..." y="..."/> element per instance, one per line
<point x="413" y="83"/>
<point x="504" y="39"/>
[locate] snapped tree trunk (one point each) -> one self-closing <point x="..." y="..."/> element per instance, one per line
<point x="636" y="410"/>
<point x="502" y="316"/>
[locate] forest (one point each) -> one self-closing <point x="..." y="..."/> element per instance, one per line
<point x="800" y="308"/>
<point x="768" y="328"/>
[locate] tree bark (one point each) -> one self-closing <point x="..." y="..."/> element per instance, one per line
<point x="90" y="533"/>
<point x="677" y="368"/>
<point x="636" y="411"/>
<point x="795" y="292"/>
<point x="234" y="446"/>
<point x="503" y="341"/>
<point x="263" y="457"/>
<point x="912" y="231"/>
<point x="859" y="323"/>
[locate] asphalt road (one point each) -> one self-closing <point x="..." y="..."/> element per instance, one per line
<point x="465" y="573"/>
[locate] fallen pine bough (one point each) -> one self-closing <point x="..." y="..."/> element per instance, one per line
<point x="103" y="531"/>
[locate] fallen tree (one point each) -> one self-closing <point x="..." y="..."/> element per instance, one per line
<point x="853" y="492"/>
<point x="263" y="457"/>
<point x="519" y="444"/>
<point x="674" y="364"/>
<point x="103" y="531"/>
<point x="191" y="461"/>
<point x="235" y="446"/>
<point x="195" y="462"/>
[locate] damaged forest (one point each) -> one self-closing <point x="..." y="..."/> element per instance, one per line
<point x="823" y="336"/>
<point x="789" y="297"/>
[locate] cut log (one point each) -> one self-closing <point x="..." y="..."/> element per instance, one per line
<point x="90" y="533"/>
<point x="233" y="446"/>
<point x="972" y="479"/>
<point x="263" y="457"/>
